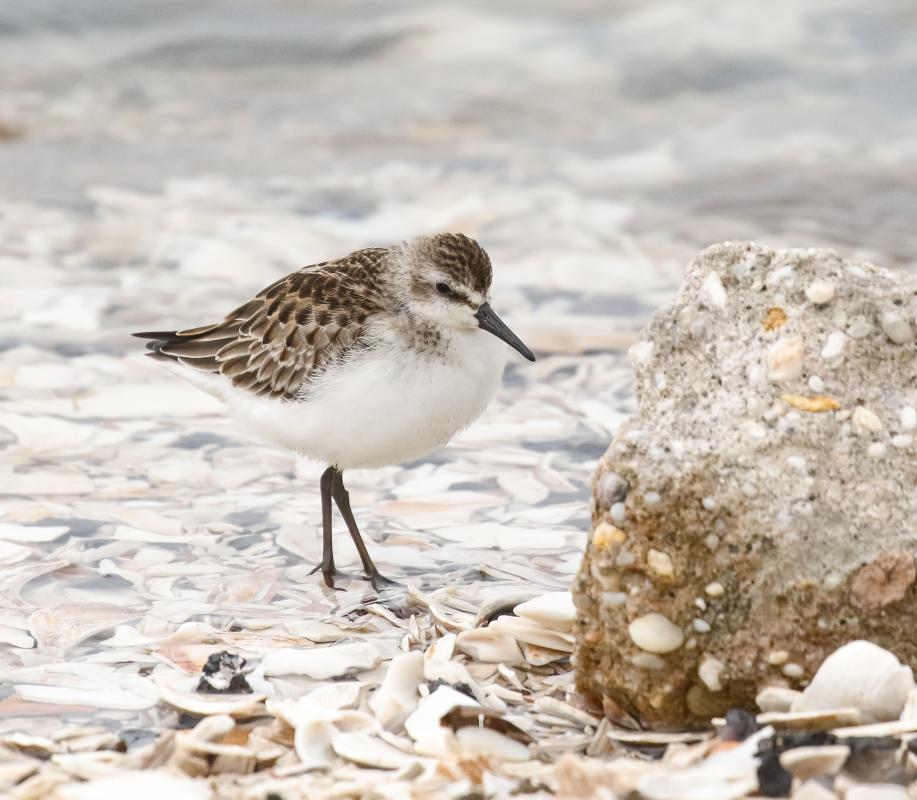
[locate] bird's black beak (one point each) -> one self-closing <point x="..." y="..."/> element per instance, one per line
<point x="490" y="322"/>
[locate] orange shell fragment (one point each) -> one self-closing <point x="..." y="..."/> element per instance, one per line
<point x="814" y="404"/>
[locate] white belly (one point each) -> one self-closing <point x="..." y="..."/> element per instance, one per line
<point x="384" y="407"/>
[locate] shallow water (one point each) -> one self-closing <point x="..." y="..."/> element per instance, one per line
<point x="160" y="161"/>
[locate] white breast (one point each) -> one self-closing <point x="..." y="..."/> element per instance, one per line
<point x="385" y="406"/>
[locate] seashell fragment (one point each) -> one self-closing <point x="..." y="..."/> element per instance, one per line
<point x="178" y="691"/>
<point x="398" y="696"/>
<point x="813" y="404"/>
<point x="863" y="676"/>
<point x="489" y="646"/>
<point x="369" y="751"/>
<point x="423" y="725"/>
<point x="813" y="762"/>
<point x="554" y="610"/>
<point x="527" y="631"/>
<point x="66" y="626"/>
<point x="539" y="656"/>
<point x="810" y="720"/>
<point x="777" y="698"/>
<point x="321" y="663"/>
<point x="655" y="633"/>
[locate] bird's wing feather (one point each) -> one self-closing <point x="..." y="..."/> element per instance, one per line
<point x="289" y="332"/>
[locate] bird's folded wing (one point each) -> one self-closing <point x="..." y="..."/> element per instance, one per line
<point x="278" y="341"/>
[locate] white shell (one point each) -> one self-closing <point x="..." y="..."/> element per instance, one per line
<point x="489" y="646"/>
<point x="478" y="741"/>
<point x="178" y="690"/>
<point x="364" y="748"/>
<point x="423" y="725"/>
<point x="777" y="698"/>
<point x="554" y="610"/>
<point x="524" y="630"/>
<point x="312" y="742"/>
<point x="860" y="675"/>
<point x="813" y="762"/>
<point x="397" y="696"/>
<point x="655" y="633"/>
<point x="321" y="663"/>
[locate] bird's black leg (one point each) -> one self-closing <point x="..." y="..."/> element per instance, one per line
<point x="342" y="498"/>
<point x="327" y="563"/>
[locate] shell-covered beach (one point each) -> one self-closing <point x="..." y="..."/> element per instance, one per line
<point x="160" y="163"/>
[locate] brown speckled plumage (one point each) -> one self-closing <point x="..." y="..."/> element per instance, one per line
<point x="284" y="337"/>
<point x="290" y="331"/>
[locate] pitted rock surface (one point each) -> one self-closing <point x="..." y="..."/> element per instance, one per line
<point x="762" y="500"/>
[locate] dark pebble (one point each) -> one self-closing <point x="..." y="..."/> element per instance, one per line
<point x="773" y="779"/>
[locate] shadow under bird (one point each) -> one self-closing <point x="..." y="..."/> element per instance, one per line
<point x="373" y="359"/>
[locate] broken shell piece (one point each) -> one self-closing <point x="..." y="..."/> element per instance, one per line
<point x="859" y="675"/>
<point x="480" y="731"/>
<point x="178" y="691"/>
<point x="470" y="716"/>
<point x="369" y="751"/>
<point x="810" y="720"/>
<point x="397" y="696"/>
<point x="554" y="610"/>
<point x="784" y="359"/>
<point x="525" y="630"/>
<point x="813" y="404"/>
<point x="321" y="663"/>
<point x="813" y="762"/>
<point x="66" y="626"/>
<point x="441" y="649"/>
<point x="423" y="724"/>
<point x="505" y="604"/>
<point x="312" y="742"/>
<point x="489" y="646"/>
<point x="473" y="742"/>
<point x="539" y="656"/>
<point x="777" y="698"/>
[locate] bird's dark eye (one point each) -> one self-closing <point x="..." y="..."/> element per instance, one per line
<point x="444" y="289"/>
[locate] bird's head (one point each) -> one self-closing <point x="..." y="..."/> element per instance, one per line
<point x="448" y="284"/>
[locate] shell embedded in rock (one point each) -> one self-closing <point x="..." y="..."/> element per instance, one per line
<point x="655" y="633"/>
<point x="554" y="610"/>
<point x="859" y="675"/>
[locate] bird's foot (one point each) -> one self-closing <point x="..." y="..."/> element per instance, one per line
<point x="379" y="582"/>
<point x="330" y="573"/>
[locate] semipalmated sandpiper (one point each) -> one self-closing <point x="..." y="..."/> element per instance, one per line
<point x="373" y="359"/>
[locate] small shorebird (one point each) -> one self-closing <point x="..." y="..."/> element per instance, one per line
<point x="373" y="359"/>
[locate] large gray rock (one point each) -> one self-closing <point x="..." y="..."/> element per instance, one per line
<point x="760" y="508"/>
